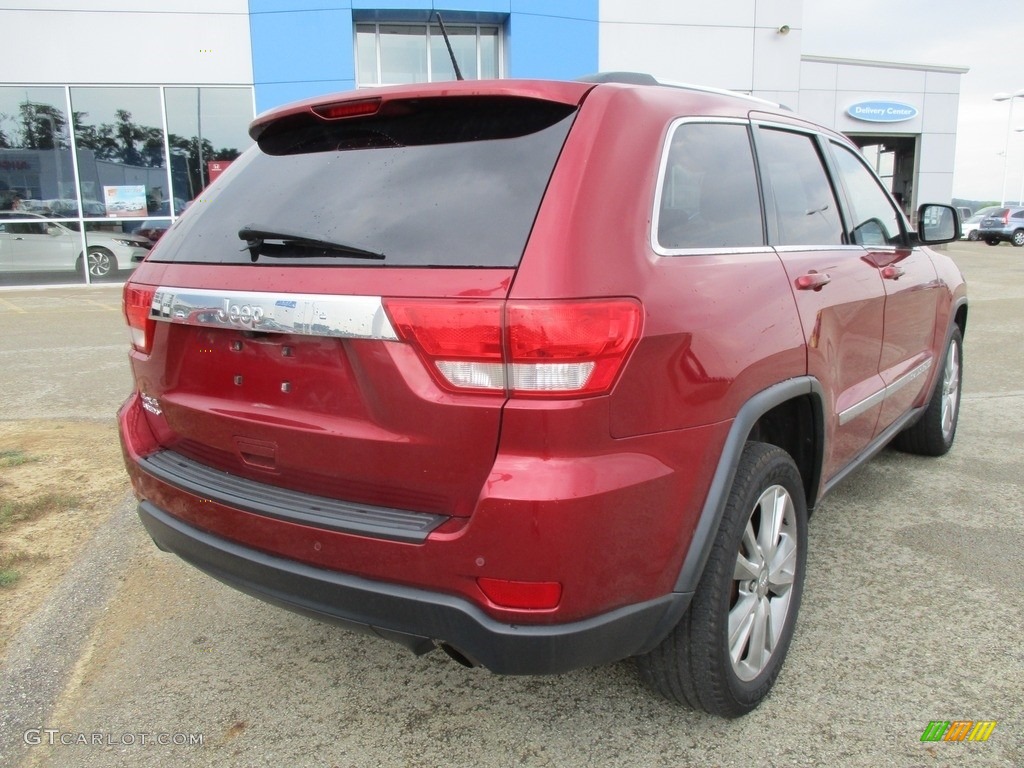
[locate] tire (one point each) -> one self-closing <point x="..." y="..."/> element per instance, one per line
<point x="1018" y="238"/>
<point x="698" y="665"/>
<point x="100" y="262"/>
<point x="992" y="241"/>
<point x="973" y="236"/>
<point x="933" y="433"/>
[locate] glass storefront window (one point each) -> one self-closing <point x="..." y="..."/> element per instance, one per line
<point x="121" y="159"/>
<point x="207" y="128"/>
<point x="36" y="172"/>
<point x="85" y="192"/>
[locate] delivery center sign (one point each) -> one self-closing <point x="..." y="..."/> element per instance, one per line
<point x="882" y="111"/>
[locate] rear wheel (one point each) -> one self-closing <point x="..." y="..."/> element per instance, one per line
<point x="972" y="236"/>
<point x="991" y="241"/>
<point x="725" y="653"/>
<point x="1018" y="238"/>
<point x="933" y="433"/>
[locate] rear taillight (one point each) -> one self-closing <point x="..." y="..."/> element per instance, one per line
<point x="521" y="348"/>
<point x="1006" y="217"/>
<point x="136" y="302"/>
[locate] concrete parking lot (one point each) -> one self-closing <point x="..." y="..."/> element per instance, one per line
<point x="911" y="614"/>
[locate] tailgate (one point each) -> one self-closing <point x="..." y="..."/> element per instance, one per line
<point x="315" y="393"/>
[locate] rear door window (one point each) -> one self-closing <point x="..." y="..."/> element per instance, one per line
<point x="709" y="195"/>
<point x="428" y="182"/>
<point x="802" y="208"/>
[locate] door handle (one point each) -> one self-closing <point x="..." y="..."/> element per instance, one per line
<point x="813" y="281"/>
<point x="893" y="272"/>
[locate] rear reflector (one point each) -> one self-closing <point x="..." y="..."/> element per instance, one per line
<point x="521" y="348"/>
<point x="524" y="595"/>
<point x="136" y="303"/>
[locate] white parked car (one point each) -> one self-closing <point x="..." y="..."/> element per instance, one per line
<point x="30" y="242"/>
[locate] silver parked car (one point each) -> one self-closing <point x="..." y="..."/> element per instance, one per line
<point x="1003" y="225"/>
<point x="30" y="242"/>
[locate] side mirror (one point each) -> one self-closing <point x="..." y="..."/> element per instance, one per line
<point x="937" y="224"/>
<point x="53" y="229"/>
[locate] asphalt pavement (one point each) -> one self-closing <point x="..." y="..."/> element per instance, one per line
<point x="911" y="614"/>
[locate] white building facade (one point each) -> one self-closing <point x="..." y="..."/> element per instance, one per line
<point x="111" y="107"/>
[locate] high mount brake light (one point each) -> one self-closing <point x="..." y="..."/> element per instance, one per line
<point x="136" y="303"/>
<point x="342" y="109"/>
<point x="521" y="348"/>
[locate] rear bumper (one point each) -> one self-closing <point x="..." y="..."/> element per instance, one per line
<point x="416" y="618"/>
<point x="1002" y="235"/>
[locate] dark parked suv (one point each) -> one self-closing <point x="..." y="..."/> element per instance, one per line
<point x="1004" y="225"/>
<point x="546" y="374"/>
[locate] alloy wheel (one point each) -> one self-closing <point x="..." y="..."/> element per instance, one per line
<point x="763" y="583"/>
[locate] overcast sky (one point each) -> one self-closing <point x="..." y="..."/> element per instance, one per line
<point x="987" y="37"/>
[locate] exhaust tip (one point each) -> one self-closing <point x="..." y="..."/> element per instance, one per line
<point x="458" y="655"/>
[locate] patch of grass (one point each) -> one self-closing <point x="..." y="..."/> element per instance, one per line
<point x="8" y="573"/>
<point x="13" y="512"/>
<point x="15" y="458"/>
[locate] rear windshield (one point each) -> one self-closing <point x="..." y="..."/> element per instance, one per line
<point x="433" y="182"/>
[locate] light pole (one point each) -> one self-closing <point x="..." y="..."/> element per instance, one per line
<point x="1009" y="122"/>
<point x="1020" y="194"/>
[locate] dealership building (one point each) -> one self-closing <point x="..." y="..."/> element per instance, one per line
<point x="114" y="118"/>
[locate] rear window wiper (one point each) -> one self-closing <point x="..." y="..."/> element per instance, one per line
<point x="286" y="245"/>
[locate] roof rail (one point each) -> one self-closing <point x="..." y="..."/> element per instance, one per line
<point x="643" y="78"/>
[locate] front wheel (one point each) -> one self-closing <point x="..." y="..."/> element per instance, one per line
<point x="1018" y="238"/>
<point x="727" y="650"/>
<point x="100" y="262"/>
<point x="973" y="236"/>
<point x="933" y="433"/>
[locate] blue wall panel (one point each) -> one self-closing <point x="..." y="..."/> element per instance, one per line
<point x="566" y="9"/>
<point x="296" y="54"/>
<point x="547" y="46"/>
<point x="303" y="48"/>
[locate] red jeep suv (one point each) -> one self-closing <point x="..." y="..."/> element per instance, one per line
<point x="546" y="374"/>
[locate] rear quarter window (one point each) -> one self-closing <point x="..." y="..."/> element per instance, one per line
<point x="708" y="197"/>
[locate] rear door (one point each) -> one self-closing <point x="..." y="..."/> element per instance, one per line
<point x="290" y="306"/>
